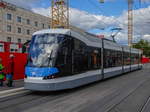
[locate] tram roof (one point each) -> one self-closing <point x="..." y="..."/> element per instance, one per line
<point x="51" y="31"/>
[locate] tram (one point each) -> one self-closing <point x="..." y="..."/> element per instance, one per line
<point x="64" y="58"/>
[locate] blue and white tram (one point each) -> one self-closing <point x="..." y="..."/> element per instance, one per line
<point x="64" y="59"/>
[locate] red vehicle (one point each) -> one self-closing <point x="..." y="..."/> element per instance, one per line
<point x="145" y="60"/>
<point x="15" y="49"/>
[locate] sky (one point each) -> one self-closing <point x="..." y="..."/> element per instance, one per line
<point x="98" y="18"/>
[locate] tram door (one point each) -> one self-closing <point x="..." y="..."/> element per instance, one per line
<point x="64" y="58"/>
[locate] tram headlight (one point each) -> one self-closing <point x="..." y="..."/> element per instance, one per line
<point x="49" y="77"/>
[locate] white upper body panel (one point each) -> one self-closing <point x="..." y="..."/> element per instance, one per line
<point x="136" y="51"/>
<point x="126" y="49"/>
<point x="111" y="45"/>
<point x="89" y="40"/>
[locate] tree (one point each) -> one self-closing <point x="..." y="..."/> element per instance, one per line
<point x="144" y="45"/>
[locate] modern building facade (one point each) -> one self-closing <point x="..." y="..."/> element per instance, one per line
<point x="18" y="24"/>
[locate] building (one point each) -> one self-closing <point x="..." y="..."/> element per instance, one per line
<point x="17" y="24"/>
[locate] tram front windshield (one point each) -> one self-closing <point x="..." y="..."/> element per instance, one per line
<point x="43" y="50"/>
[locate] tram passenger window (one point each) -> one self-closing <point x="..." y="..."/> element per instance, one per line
<point x="108" y="58"/>
<point x="112" y="58"/>
<point x="137" y="59"/>
<point x="76" y="44"/>
<point x="96" y="58"/>
<point x="119" y="58"/>
<point x="64" y="55"/>
<point x="133" y="58"/>
<point x="127" y="59"/>
<point x="79" y="58"/>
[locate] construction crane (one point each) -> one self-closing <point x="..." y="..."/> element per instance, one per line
<point x="60" y="14"/>
<point x="130" y="22"/>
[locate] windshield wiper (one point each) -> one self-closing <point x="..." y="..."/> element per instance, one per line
<point x="50" y="58"/>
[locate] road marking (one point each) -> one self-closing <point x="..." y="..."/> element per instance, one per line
<point x="11" y="90"/>
<point x="16" y="93"/>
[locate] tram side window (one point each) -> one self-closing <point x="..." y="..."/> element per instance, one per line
<point x="140" y="58"/>
<point x="112" y="58"/>
<point x="94" y="58"/>
<point x="134" y="58"/>
<point x="119" y="58"/>
<point x="109" y="58"/>
<point x="97" y="58"/>
<point x="79" y="57"/>
<point x="127" y="59"/>
<point x="64" y="60"/>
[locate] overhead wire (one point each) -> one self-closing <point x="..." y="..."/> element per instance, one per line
<point x="95" y="5"/>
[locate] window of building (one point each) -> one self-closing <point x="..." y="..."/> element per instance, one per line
<point x="9" y="17"/>
<point x="19" y="40"/>
<point x="8" y="28"/>
<point x="36" y="23"/>
<point x="1" y="47"/>
<point x="8" y="39"/>
<point x="43" y="25"/>
<point x="19" y="30"/>
<point x="19" y="19"/>
<point x="28" y="21"/>
<point x="28" y="32"/>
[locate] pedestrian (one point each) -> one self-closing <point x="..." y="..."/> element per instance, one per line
<point x="1" y="73"/>
<point x="10" y="71"/>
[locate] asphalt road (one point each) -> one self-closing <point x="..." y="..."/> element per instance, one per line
<point x="127" y="93"/>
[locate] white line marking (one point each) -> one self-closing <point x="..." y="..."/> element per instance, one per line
<point x="11" y="90"/>
<point x="15" y="93"/>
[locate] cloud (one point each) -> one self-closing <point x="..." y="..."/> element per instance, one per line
<point x="88" y="21"/>
<point x="83" y="19"/>
<point x="24" y="3"/>
<point x="145" y="0"/>
<point x="146" y="37"/>
<point x="42" y="11"/>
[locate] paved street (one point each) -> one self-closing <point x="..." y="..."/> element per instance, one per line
<point x="16" y="84"/>
<point x="127" y="93"/>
